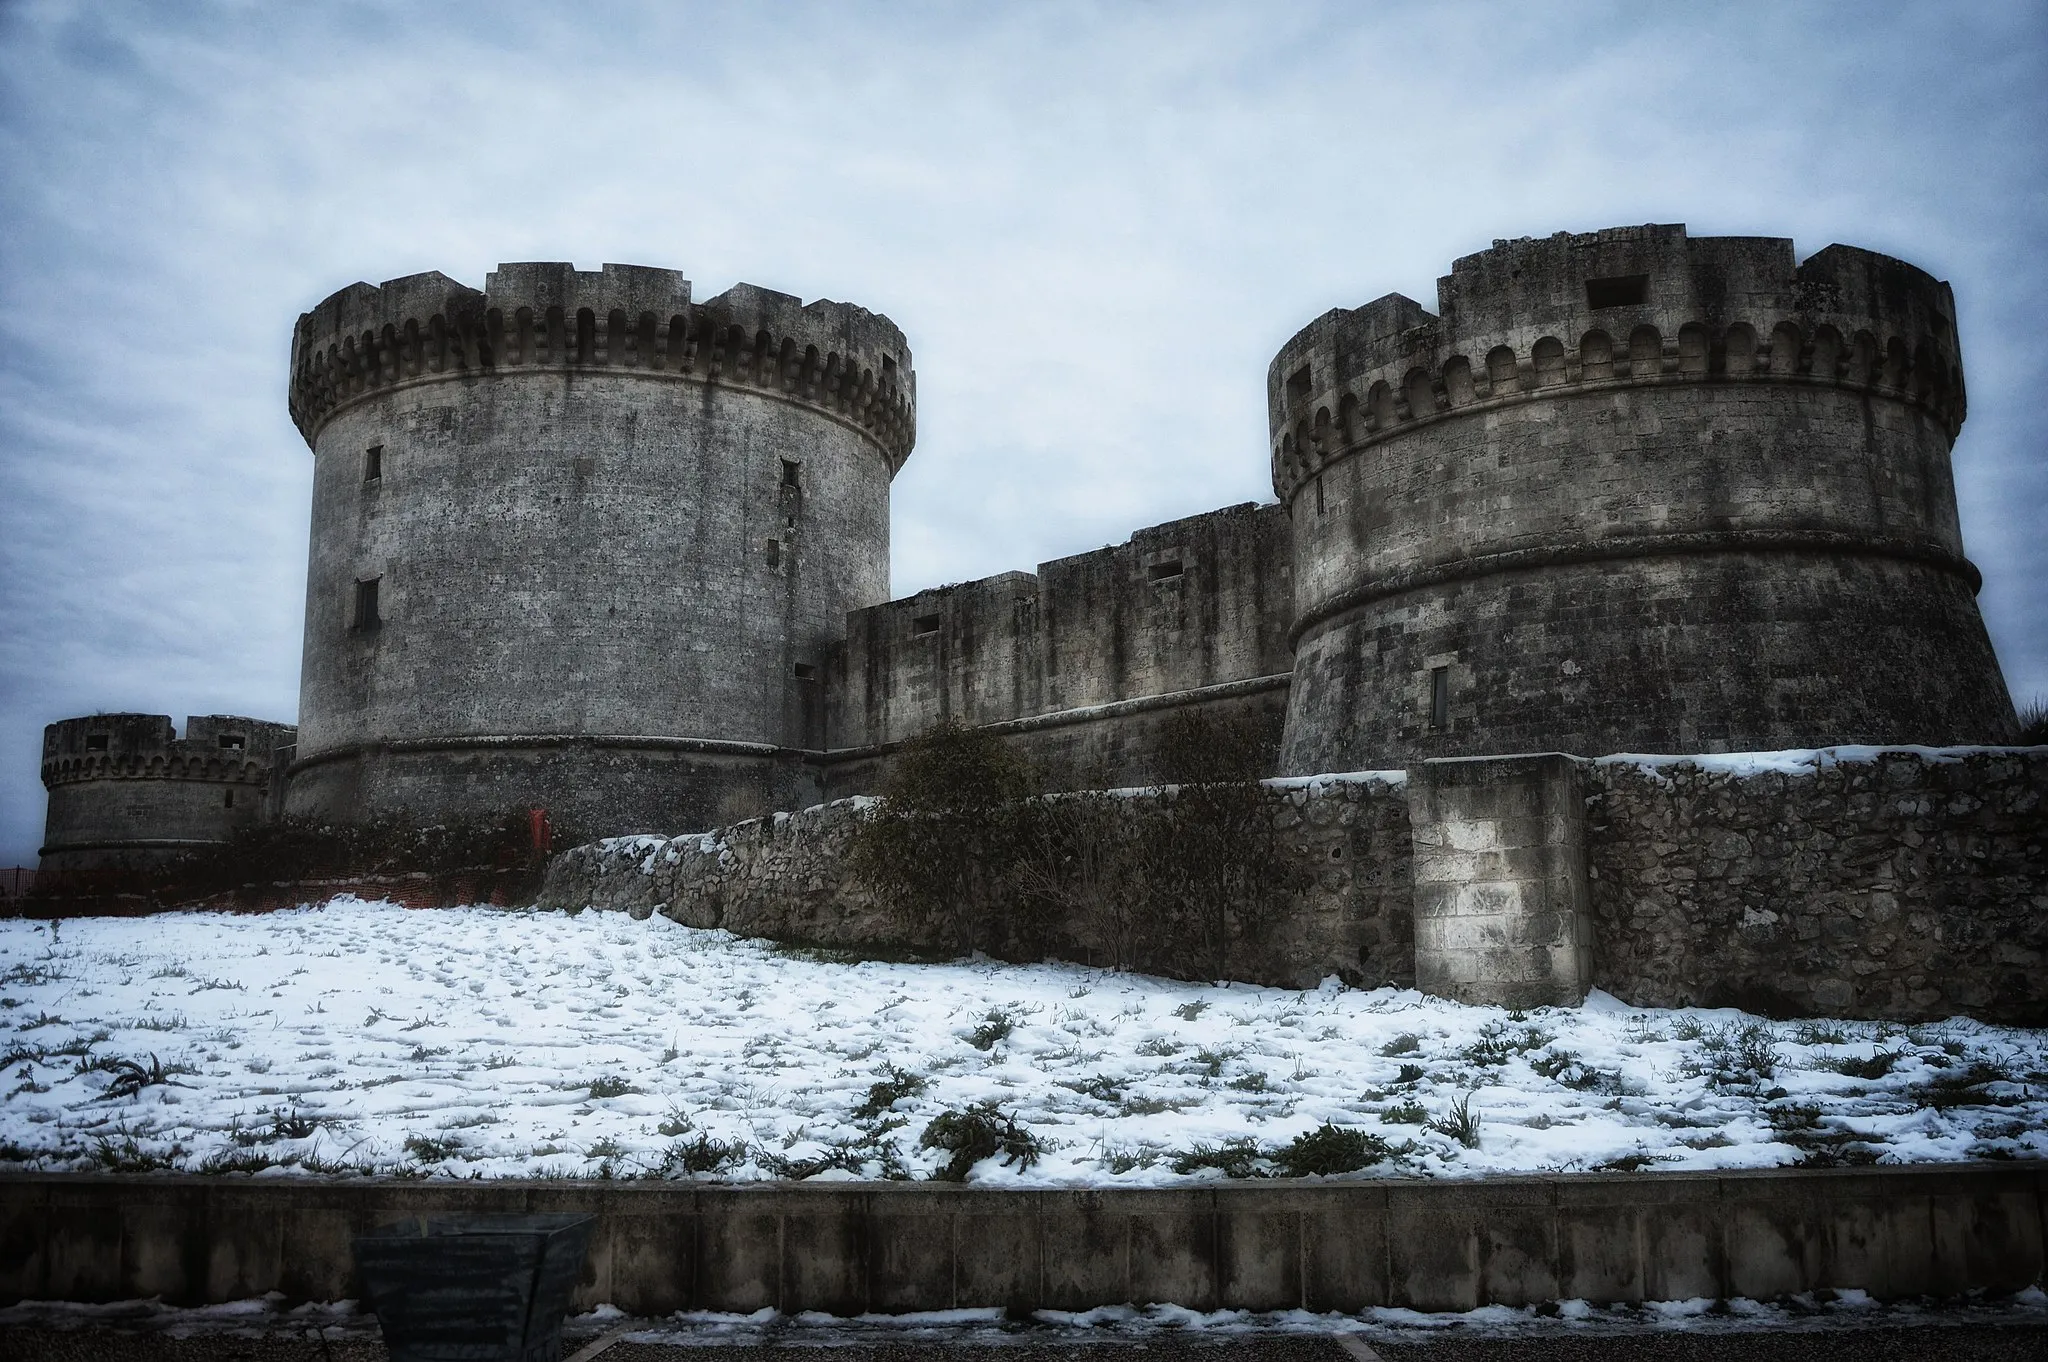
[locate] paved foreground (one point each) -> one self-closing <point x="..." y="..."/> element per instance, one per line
<point x="1874" y="1335"/>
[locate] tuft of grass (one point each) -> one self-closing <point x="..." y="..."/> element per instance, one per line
<point x="1403" y="1044"/>
<point x="1632" y="1163"/>
<point x="1101" y="1087"/>
<point x="1733" y="1057"/>
<point x="1459" y="1122"/>
<point x="1255" y="1081"/>
<point x="1877" y="1066"/>
<point x="1407" y="1112"/>
<point x="1124" y="1159"/>
<point x="1820" y="1033"/>
<point x="1331" y="1149"/>
<point x="1237" y="1158"/>
<point x="610" y="1085"/>
<point x="894" y="1086"/>
<point x="428" y="1149"/>
<point x="701" y="1155"/>
<point x="1410" y="1073"/>
<point x="2033" y="716"/>
<point x="981" y="1131"/>
<point x="996" y="1026"/>
<point x="1190" y="1011"/>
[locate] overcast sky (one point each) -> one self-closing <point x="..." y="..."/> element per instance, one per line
<point x="1095" y="223"/>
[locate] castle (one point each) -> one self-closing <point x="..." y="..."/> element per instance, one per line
<point x="582" y="542"/>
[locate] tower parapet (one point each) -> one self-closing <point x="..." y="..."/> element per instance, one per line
<point x="834" y="357"/>
<point x="126" y="792"/>
<point x="1631" y="490"/>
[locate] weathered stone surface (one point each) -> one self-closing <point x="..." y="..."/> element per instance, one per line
<point x="1908" y="885"/>
<point x="784" y="877"/>
<point x="126" y="793"/>
<point x="1631" y="491"/>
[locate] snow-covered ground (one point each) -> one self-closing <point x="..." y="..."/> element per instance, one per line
<point x="365" y="1037"/>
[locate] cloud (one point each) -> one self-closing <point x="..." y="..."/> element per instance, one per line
<point x="1096" y="223"/>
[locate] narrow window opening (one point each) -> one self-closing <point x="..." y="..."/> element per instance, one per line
<point x="888" y="367"/>
<point x="1162" y="572"/>
<point x="229" y="802"/>
<point x="804" y="671"/>
<point x="373" y="463"/>
<point x="1319" y="494"/>
<point x="95" y="742"/>
<point x="789" y="522"/>
<point x="232" y="742"/>
<point x="1298" y="385"/>
<point x="1623" y="290"/>
<point x="367" y="616"/>
<point x="1439" y="698"/>
<point x="792" y="473"/>
<point x="924" y="624"/>
<point x="775" y="553"/>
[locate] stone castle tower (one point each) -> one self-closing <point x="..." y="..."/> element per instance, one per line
<point x="1631" y="491"/>
<point x="582" y="542"/>
<point x="127" y="793"/>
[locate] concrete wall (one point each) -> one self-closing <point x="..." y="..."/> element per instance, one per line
<point x="599" y="509"/>
<point x="851" y="1248"/>
<point x="127" y="793"/>
<point x="1180" y="615"/>
<point x="1718" y="517"/>
<point x="1500" y="880"/>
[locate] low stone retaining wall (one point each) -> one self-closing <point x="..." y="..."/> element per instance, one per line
<point x="1904" y="884"/>
<point x="851" y="1248"/>
<point x="785" y="877"/>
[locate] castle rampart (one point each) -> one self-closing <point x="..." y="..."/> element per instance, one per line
<point x="1079" y="664"/>
<point x="1630" y="490"/>
<point x="579" y="542"/>
<point x="126" y="793"/>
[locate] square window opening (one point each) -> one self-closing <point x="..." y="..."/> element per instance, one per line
<point x="373" y="464"/>
<point x="1623" y="290"/>
<point x="1298" y="384"/>
<point x="1163" y="572"/>
<point x="804" y="671"/>
<point x="888" y="366"/>
<point x="924" y="624"/>
<point x="96" y="742"/>
<point x="367" y="614"/>
<point x="1439" y="699"/>
<point x="792" y="473"/>
<point x="232" y="742"/>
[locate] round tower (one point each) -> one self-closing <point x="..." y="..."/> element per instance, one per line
<point x="1631" y="491"/>
<point x="580" y="542"/>
<point x="127" y="793"/>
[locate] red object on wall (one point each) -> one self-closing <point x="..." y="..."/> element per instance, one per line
<point x="543" y="831"/>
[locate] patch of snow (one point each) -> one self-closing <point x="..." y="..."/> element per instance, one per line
<point x="1795" y="761"/>
<point x="360" y="1036"/>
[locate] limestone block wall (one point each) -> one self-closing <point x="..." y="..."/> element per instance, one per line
<point x="1890" y="884"/>
<point x="784" y="877"/>
<point x="1906" y="884"/>
<point x="1500" y="880"/>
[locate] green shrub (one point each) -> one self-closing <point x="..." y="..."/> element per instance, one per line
<point x="1459" y="1122"/>
<point x="996" y="1026"/>
<point x="701" y="1155"/>
<point x="1239" y="1158"/>
<point x="2034" y="722"/>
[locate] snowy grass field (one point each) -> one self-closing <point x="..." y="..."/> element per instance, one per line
<point x="364" y="1038"/>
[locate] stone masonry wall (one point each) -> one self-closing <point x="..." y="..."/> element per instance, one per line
<point x="1909" y="883"/>
<point x="784" y="877"/>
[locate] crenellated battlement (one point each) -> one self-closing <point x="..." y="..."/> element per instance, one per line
<point x="1537" y="318"/>
<point x="223" y="749"/>
<point x="836" y="357"/>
